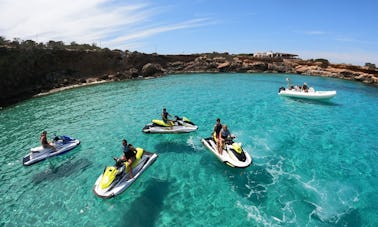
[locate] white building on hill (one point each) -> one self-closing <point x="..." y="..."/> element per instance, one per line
<point x="271" y="54"/>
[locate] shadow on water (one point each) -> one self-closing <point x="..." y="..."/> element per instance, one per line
<point x="146" y="209"/>
<point x="167" y="147"/>
<point x="210" y="161"/>
<point x="64" y="170"/>
<point x="251" y="183"/>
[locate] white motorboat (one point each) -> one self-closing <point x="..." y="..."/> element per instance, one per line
<point x="304" y="92"/>
<point x="310" y="94"/>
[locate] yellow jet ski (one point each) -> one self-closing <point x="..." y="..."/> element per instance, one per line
<point x="179" y="125"/>
<point x="116" y="179"/>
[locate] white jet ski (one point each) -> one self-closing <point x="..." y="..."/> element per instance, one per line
<point x="179" y="125"/>
<point x="116" y="179"/>
<point x="62" y="144"/>
<point x="233" y="154"/>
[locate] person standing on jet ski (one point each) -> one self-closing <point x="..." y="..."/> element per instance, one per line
<point x="216" y="130"/>
<point x="45" y="143"/>
<point x="129" y="155"/>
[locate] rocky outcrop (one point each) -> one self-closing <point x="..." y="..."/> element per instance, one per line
<point x="151" y="69"/>
<point x="27" y="72"/>
<point x="347" y="72"/>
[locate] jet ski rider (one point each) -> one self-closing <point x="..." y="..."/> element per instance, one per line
<point x="216" y="130"/>
<point x="129" y="155"/>
<point x="225" y="135"/>
<point x="45" y="143"/>
<point x="164" y="117"/>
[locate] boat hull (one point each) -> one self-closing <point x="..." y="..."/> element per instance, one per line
<point x="316" y="95"/>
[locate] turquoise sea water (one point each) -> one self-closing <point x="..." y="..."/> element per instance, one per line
<point x="315" y="163"/>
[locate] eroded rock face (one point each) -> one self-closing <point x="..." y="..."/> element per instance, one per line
<point x="25" y="73"/>
<point x="338" y="71"/>
<point x="151" y="69"/>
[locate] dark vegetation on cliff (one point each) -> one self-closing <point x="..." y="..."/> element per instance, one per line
<point x="28" y="68"/>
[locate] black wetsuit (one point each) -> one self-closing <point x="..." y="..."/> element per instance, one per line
<point x="165" y="116"/>
<point x="217" y="129"/>
<point x="129" y="153"/>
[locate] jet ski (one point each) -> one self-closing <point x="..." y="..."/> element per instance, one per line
<point x="62" y="144"/>
<point x="179" y="125"/>
<point x="233" y="154"/>
<point x="116" y="179"/>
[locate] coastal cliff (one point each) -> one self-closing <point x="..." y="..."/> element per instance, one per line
<point x="28" y="72"/>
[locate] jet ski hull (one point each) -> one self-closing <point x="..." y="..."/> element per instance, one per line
<point x="123" y="181"/>
<point x="152" y="128"/>
<point x="38" y="154"/>
<point x="180" y="125"/>
<point x="228" y="156"/>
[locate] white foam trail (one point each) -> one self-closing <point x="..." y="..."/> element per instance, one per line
<point x="195" y="143"/>
<point x="190" y="142"/>
<point x="254" y="213"/>
<point x="332" y="199"/>
<point x="276" y="169"/>
<point x="13" y="163"/>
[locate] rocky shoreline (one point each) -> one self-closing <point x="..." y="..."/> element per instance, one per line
<point x="28" y="73"/>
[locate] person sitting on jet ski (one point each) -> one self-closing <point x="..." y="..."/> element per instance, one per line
<point x="45" y="143"/>
<point x="164" y="117"/>
<point x="225" y="135"/>
<point x="129" y="155"/>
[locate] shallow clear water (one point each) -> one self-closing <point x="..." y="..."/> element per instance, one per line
<point x="314" y="162"/>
